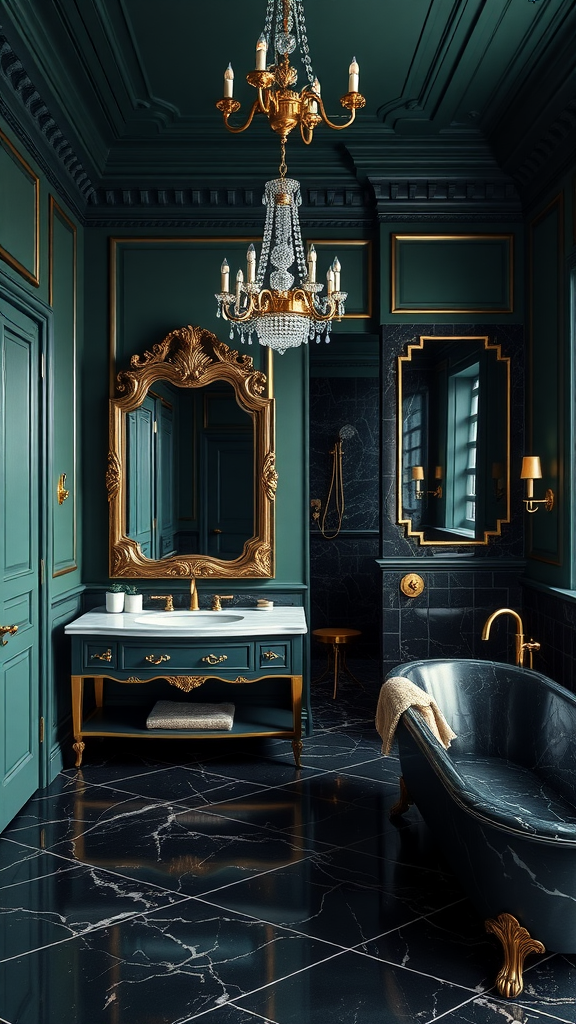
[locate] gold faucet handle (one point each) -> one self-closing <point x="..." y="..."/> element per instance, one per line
<point x="164" y="597"/>
<point x="218" y="598"/>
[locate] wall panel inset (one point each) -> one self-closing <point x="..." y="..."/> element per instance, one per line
<point x="63" y="299"/>
<point x="470" y="273"/>
<point x="19" y="213"/>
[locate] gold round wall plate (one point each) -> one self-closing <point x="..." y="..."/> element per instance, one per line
<point x="412" y="584"/>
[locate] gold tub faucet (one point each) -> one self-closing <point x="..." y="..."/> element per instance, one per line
<point x="521" y="645"/>
<point x="194" y="606"/>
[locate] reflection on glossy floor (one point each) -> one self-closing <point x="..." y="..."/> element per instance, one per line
<point x="232" y="889"/>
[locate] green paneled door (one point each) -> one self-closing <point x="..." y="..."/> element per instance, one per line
<point x="19" y="561"/>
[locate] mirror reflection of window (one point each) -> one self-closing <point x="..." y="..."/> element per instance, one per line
<point x="414" y="444"/>
<point x="462" y="448"/>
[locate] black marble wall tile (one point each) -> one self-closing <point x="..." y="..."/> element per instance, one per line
<point x="446" y="620"/>
<point x="551" y="620"/>
<point x="344" y="576"/>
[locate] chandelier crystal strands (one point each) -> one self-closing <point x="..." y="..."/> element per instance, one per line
<point x="283" y="309"/>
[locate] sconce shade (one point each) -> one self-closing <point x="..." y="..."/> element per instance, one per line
<point x="531" y="468"/>
<point x="417" y="472"/>
<point x="438" y="473"/>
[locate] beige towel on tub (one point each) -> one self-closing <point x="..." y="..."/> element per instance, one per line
<point x="396" y="695"/>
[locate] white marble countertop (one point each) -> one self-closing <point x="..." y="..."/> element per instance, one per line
<point x="230" y="622"/>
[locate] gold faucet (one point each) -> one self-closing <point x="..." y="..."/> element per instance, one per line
<point x="164" y="597"/>
<point x="217" y="599"/>
<point x="521" y="645"/>
<point x="194" y="606"/>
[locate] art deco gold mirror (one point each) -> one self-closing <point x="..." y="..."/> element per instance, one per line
<point x="453" y="440"/>
<point x="191" y="477"/>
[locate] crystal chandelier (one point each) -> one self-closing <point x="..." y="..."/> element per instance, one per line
<point x="283" y="309"/>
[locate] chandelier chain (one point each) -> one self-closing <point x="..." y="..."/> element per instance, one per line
<point x="283" y="166"/>
<point x="303" y="39"/>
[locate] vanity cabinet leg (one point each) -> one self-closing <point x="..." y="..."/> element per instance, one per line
<point x="99" y="691"/>
<point x="77" y="683"/>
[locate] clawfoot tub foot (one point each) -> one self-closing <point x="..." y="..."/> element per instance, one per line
<point x="517" y="943"/>
<point x="297" y="748"/>
<point x="403" y="802"/>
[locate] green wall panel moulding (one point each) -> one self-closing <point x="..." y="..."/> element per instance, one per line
<point x="19" y="213"/>
<point x="471" y="273"/>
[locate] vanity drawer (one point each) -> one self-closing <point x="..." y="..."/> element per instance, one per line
<point x="99" y="656"/>
<point x="273" y="656"/>
<point x="206" y="658"/>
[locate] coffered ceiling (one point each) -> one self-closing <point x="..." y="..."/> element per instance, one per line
<point x="131" y="85"/>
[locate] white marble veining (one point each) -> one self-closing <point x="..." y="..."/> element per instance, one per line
<point x="282" y="621"/>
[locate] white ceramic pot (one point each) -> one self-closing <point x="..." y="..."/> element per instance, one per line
<point x="114" y="601"/>
<point x="133" y="603"/>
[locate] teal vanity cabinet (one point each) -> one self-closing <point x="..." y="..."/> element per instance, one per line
<point x="252" y="659"/>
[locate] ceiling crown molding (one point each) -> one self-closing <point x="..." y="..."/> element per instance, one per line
<point x="16" y="79"/>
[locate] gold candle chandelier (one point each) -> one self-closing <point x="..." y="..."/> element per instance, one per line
<point x="283" y="309"/>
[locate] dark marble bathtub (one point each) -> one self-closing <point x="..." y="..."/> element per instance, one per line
<point x="502" y="800"/>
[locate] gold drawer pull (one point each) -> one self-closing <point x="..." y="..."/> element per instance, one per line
<point x="106" y="656"/>
<point x="215" y="659"/>
<point x="10" y="630"/>
<point x="270" y="655"/>
<point x="157" y="661"/>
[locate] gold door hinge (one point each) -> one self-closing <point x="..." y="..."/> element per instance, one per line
<point x="154" y="523"/>
<point x="155" y="426"/>
<point x="42" y="364"/>
<point x="41" y="572"/>
<point x="41" y="730"/>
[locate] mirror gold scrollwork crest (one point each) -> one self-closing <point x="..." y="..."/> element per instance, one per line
<point x="453" y="440"/>
<point x="191" y="473"/>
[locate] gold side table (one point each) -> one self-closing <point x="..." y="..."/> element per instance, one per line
<point x="337" y="638"/>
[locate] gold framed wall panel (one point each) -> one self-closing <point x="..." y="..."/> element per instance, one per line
<point x="56" y="213"/>
<point x="405" y="309"/>
<point x="29" y="273"/>
<point x="339" y="245"/>
<point x="556" y="205"/>
<point x="407" y="358"/>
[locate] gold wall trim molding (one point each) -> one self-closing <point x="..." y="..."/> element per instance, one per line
<point x="192" y="357"/>
<point x="56" y="211"/>
<point x="30" y="275"/>
<point x="343" y="243"/>
<point x="555" y="205"/>
<point x="407" y="358"/>
<point x="396" y="239"/>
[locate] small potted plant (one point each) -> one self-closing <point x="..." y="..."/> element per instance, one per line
<point x="115" y="598"/>
<point x="133" y="599"/>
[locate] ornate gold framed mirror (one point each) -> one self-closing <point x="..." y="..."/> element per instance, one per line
<point x="191" y="473"/>
<point x="453" y="440"/>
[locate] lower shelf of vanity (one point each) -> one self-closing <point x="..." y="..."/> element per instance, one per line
<point x="130" y="721"/>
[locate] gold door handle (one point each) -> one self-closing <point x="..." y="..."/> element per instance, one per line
<point x="105" y="656"/>
<point x="215" y="659"/>
<point x="157" y="661"/>
<point x="61" y="492"/>
<point x="269" y="655"/>
<point x="10" y="630"/>
<point x="216" y="530"/>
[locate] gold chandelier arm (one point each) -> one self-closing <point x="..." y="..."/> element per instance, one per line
<point x="253" y="110"/>
<point x="326" y="119"/>
<point x="264" y="100"/>
<point x="241" y="316"/>
<point x="306" y="133"/>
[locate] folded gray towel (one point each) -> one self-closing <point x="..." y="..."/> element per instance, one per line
<point x="174" y="714"/>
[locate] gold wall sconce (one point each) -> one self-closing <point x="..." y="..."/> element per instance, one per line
<point x="61" y="492"/>
<point x="418" y="477"/>
<point x="531" y="471"/>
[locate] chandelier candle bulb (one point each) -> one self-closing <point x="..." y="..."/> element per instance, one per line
<point x="330" y="281"/>
<point x="251" y="264"/>
<point x="313" y="103"/>
<point x="353" y="76"/>
<point x="239" y="283"/>
<point x="225" y="277"/>
<point x="261" y="50"/>
<point x="312" y="264"/>
<point x="228" y="83"/>
<point x="336" y="268"/>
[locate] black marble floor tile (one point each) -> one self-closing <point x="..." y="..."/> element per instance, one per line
<point x="355" y="988"/>
<point x="487" y="1010"/>
<point x="191" y="786"/>
<point x="45" y="899"/>
<point x="340" y="896"/>
<point x="160" y="967"/>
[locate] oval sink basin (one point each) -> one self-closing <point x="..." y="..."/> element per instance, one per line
<point x="188" y="620"/>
